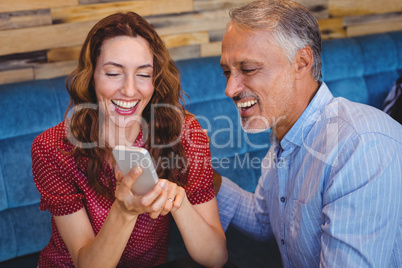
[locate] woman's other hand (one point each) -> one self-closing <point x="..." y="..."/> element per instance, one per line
<point x="176" y="195"/>
<point x="152" y="202"/>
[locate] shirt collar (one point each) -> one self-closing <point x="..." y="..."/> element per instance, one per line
<point x="306" y="121"/>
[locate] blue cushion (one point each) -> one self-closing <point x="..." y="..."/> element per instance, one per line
<point x="3" y="192"/>
<point x="217" y="117"/>
<point x="8" y="243"/>
<point x="354" y="89"/>
<point x="242" y="168"/>
<point x="257" y="141"/>
<point x="341" y="58"/>
<point x="32" y="228"/>
<point x="397" y="38"/>
<point x="16" y="162"/>
<point x="379" y="53"/>
<point x="379" y="85"/>
<point x="31" y="106"/>
<point x="202" y="79"/>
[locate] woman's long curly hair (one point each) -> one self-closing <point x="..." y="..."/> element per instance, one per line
<point x="85" y="122"/>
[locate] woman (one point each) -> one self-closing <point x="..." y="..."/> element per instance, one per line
<point x="124" y="80"/>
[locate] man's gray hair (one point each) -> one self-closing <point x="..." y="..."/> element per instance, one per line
<point x="293" y="26"/>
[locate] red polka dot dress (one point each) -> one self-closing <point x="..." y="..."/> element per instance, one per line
<point x="65" y="189"/>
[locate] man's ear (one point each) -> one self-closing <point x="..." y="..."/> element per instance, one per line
<point x="304" y="62"/>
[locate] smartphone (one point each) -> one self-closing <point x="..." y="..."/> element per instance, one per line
<point x="129" y="157"/>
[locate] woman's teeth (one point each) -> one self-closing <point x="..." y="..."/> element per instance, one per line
<point x="246" y="104"/>
<point x="125" y="104"/>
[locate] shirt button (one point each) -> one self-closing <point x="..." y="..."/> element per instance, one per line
<point x="283" y="199"/>
<point x="283" y="242"/>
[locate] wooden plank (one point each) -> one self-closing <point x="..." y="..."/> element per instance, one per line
<point x="98" y="11"/>
<point x="363" y="19"/>
<point x="338" y="8"/>
<point x="85" y="2"/>
<point x="56" y="69"/>
<point x="20" y="5"/>
<point x="63" y="54"/>
<point x="186" y="52"/>
<point x="21" y="61"/>
<point x="22" y="19"/>
<point x="318" y="7"/>
<point x="178" y="40"/>
<point x="216" y="36"/>
<point x="13" y="76"/>
<point x="160" y="7"/>
<point x="387" y="25"/>
<point x="332" y="28"/>
<point x="211" y="49"/>
<point x="189" y="23"/>
<point x="204" y="5"/>
<point x="43" y="37"/>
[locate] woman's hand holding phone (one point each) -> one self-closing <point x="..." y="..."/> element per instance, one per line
<point x="163" y="198"/>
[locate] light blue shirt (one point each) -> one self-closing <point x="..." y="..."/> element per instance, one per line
<point x="330" y="191"/>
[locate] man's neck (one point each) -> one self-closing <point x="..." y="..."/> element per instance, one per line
<point x="308" y="93"/>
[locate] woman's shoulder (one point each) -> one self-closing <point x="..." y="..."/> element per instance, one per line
<point x="190" y="122"/>
<point x="192" y="133"/>
<point x="53" y="138"/>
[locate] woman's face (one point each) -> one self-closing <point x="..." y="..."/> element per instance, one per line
<point x="123" y="80"/>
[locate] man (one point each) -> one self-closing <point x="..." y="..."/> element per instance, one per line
<point x="330" y="186"/>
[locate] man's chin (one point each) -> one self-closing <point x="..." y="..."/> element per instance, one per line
<point x="254" y="127"/>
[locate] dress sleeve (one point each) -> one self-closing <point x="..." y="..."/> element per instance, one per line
<point x="200" y="186"/>
<point x="53" y="176"/>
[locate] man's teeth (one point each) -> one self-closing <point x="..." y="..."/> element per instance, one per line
<point x="246" y="104"/>
<point x="125" y="104"/>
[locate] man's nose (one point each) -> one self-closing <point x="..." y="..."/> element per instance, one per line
<point x="233" y="86"/>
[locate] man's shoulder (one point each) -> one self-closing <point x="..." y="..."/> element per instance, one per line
<point x="356" y="119"/>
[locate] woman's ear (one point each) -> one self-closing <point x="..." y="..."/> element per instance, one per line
<point x="304" y="62"/>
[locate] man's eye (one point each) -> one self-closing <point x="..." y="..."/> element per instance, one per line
<point x="247" y="71"/>
<point x="226" y="73"/>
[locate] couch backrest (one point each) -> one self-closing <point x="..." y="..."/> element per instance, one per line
<point x="361" y="69"/>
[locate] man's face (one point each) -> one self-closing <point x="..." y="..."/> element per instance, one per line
<point x="259" y="77"/>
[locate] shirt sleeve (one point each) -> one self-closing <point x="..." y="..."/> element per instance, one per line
<point x="244" y="210"/>
<point x="362" y="204"/>
<point x="200" y="183"/>
<point x="53" y="177"/>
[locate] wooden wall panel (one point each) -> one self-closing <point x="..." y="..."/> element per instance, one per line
<point x="19" y="75"/>
<point x="55" y="69"/>
<point x="25" y="19"/>
<point x="190" y="22"/>
<point x="332" y="28"/>
<point x="42" y="38"/>
<point x="96" y="12"/>
<point x="340" y="8"/>
<point x="20" y="5"/>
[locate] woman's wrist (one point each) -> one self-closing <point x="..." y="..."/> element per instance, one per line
<point x="122" y="212"/>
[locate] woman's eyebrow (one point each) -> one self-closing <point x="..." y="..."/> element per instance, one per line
<point x="145" y="66"/>
<point x="121" y="66"/>
<point x="113" y="63"/>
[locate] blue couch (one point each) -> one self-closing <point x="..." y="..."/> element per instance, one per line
<point x="362" y="69"/>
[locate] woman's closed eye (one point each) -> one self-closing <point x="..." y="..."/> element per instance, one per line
<point x="112" y="74"/>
